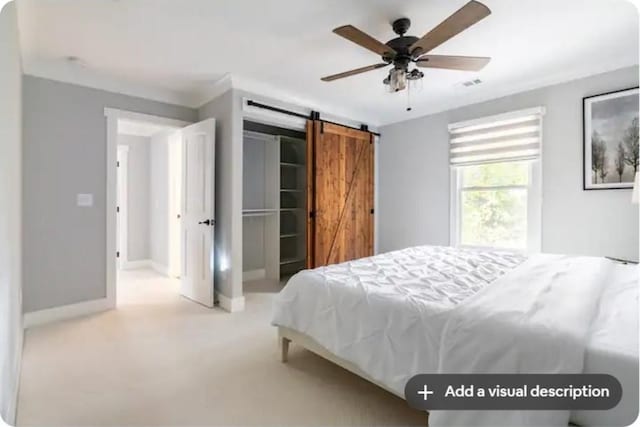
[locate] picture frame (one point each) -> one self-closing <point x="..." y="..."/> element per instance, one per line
<point x="610" y="140"/>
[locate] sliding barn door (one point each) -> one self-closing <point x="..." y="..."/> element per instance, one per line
<point x="341" y="195"/>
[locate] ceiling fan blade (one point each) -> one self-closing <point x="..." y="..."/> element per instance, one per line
<point x="354" y="72"/>
<point x="464" y="63"/>
<point x="363" y="39"/>
<point x="465" y="17"/>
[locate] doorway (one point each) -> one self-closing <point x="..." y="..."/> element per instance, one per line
<point x="148" y="225"/>
<point x="160" y="185"/>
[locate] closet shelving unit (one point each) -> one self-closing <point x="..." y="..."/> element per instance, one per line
<point x="292" y="205"/>
<point x="274" y="206"/>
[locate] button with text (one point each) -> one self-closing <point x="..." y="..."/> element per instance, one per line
<point x="513" y="391"/>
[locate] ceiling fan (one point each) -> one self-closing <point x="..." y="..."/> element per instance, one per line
<point x="405" y="50"/>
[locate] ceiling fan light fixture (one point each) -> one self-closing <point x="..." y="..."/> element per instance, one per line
<point x="414" y="74"/>
<point x="397" y="80"/>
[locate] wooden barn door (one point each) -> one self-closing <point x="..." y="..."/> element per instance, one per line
<point x="340" y="194"/>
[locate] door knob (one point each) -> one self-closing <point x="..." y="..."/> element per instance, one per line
<point x="207" y="222"/>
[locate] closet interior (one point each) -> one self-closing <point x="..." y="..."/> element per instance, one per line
<point x="274" y="202"/>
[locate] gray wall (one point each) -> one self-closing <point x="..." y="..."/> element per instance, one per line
<point x="414" y="175"/>
<point x="65" y="154"/>
<point x="138" y="175"/>
<point x="159" y="200"/>
<point x="10" y="212"/>
<point x="226" y="110"/>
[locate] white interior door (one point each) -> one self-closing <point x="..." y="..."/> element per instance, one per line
<point x="198" y="186"/>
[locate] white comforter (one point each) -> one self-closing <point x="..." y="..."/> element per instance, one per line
<point x="536" y="319"/>
<point x="386" y="313"/>
<point x="412" y="311"/>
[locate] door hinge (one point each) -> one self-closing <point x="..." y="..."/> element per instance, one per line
<point x="118" y="254"/>
<point x="312" y="214"/>
<point x="372" y="211"/>
<point x="118" y="209"/>
<point x="117" y="164"/>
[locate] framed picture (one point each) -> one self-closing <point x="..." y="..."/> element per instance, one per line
<point x="611" y="140"/>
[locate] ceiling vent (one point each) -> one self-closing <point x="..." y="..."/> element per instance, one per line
<point x="470" y="83"/>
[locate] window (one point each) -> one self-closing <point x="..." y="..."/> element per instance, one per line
<point x="495" y="200"/>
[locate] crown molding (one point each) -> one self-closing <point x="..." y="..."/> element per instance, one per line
<point x="78" y="74"/>
<point x="274" y="95"/>
<point x="83" y="76"/>
<point x="220" y="86"/>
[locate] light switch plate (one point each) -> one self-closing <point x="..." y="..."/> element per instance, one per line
<point x="85" y="200"/>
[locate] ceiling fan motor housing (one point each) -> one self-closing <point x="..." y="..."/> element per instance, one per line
<point x="403" y="56"/>
<point x="401" y="45"/>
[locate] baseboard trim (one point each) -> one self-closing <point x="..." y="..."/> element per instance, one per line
<point x="258" y="274"/>
<point x="70" y="311"/>
<point x="135" y="265"/>
<point x="232" y="305"/>
<point x="12" y="412"/>
<point x="159" y="268"/>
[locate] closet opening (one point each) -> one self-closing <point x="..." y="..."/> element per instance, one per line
<point x="274" y="206"/>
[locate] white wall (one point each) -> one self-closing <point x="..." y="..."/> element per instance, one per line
<point x="414" y="175"/>
<point x="138" y="184"/>
<point x="159" y="200"/>
<point x="10" y="212"/>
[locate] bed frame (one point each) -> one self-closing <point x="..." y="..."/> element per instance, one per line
<point x="286" y="336"/>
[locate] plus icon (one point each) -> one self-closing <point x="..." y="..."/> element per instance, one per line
<point x="425" y="392"/>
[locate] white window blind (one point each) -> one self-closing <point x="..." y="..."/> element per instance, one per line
<point x="505" y="137"/>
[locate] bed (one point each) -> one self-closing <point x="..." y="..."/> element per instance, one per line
<point x="394" y="315"/>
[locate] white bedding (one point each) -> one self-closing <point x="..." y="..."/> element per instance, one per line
<point x="536" y="319"/>
<point x="386" y="313"/>
<point x="613" y="346"/>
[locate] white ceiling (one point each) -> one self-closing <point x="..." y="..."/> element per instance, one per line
<point x="177" y="50"/>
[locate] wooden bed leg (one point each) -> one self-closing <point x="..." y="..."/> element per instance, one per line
<point x="285" y="350"/>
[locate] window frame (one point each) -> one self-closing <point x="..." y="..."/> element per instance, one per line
<point x="534" y="207"/>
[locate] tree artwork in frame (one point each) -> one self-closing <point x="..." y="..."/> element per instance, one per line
<point x="611" y="140"/>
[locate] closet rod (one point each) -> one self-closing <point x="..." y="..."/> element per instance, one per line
<point x="313" y="116"/>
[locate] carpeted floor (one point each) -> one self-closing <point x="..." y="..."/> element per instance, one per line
<point x="162" y="360"/>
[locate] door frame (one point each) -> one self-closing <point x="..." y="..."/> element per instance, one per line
<point x="174" y="265"/>
<point x="122" y="217"/>
<point x="112" y="116"/>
